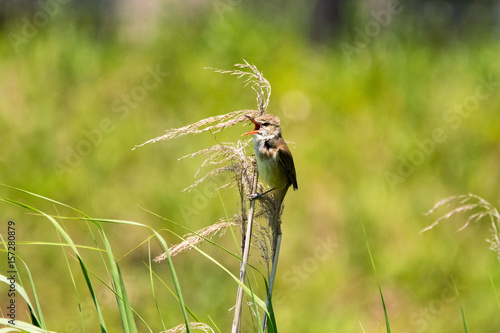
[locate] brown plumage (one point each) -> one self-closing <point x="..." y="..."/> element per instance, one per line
<point x="274" y="159"/>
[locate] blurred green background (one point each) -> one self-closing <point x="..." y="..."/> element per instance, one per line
<point x="392" y="106"/>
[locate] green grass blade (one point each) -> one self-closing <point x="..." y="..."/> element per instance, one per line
<point x="213" y="323"/>
<point x="21" y="326"/>
<point x="494" y="290"/>
<point x="165" y="247"/>
<point x="227" y="219"/>
<point x="84" y="247"/>
<point x="175" y="295"/>
<point x="124" y="306"/>
<point x="122" y="298"/>
<point x="73" y="282"/>
<point x="172" y="222"/>
<point x="254" y="304"/>
<point x="169" y="260"/>
<point x="68" y="239"/>
<point x="92" y="293"/>
<point x="152" y="283"/>
<point x="35" y="313"/>
<point x="258" y="301"/>
<point x="204" y="238"/>
<point x="157" y="235"/>
<point x="387" y="325"/>
<point x="36" y="320"/>
<point x="466" y="329"/>
<point x="174" y="279"/>
<point x="21" y="291"/>
<point x="117" y="277"/>
<point x="194" y="233"/>
<point x="126" y="313"/>
<point x="123" y="302"/>
<point x="44" y="198"/>
<point x="110" y="288"/>
<point x="271" y="320"/>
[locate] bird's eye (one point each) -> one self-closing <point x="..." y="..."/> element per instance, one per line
<point x="265" y="124"/>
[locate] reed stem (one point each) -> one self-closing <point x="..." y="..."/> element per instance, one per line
<point x="272" y="277"/>
<point x="236" y="328"/>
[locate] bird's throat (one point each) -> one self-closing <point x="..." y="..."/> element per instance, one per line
<point x="270" y="170"/>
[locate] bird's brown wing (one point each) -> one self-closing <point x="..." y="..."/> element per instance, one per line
<point x="286" y="160"/>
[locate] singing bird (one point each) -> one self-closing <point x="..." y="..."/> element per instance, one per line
<point x="274" y="159"/>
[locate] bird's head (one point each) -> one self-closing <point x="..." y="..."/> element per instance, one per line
<point x="267" y="125"/>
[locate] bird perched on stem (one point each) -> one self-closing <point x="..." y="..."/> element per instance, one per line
<point x="274" y="159"/>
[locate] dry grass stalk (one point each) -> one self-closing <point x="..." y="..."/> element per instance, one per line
<point x="273" y="211"/>
<point x="482" y="209"/>
<point x="231" y="159"/>
<point x="197" y="239"/>
<point x="216" y="124"/>
<point x="213" y="124"/>
<point x="236" y="327"/>
<point x="259" y="84"/>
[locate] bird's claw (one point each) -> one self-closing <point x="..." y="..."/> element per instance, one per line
<point x="258" y="195"/>
<point x="254" y="196"/>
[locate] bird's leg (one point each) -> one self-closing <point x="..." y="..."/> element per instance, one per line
<point x="258" y="195"/>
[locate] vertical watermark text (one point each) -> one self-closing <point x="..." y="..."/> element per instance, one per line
<point x="11" y="272"/>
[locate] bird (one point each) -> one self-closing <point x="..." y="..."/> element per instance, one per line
<point x="274" y="159"/>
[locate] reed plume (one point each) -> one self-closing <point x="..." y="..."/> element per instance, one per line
<point x="231" y="159"/>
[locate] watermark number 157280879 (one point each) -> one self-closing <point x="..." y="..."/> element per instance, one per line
<point x="11" y="271"/>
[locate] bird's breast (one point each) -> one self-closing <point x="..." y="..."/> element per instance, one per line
<point x="270" y="169"/>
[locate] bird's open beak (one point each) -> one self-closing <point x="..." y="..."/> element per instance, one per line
<point x="256" y="129"/>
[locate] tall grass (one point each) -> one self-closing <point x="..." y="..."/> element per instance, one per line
<point x="116" y="283"/>
<point x="352" y="121"/>
<point x="477" y="209"/>
<point x="231" y="158"/>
